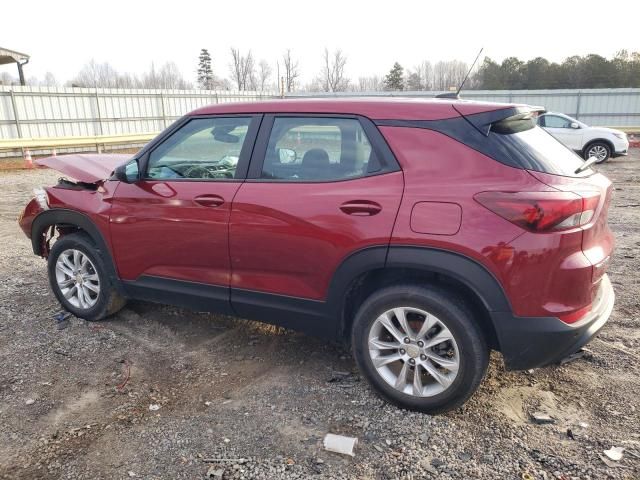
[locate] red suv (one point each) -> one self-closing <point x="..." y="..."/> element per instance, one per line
<point x="424" y="232"/>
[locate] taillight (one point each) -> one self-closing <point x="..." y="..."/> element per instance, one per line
<point x="542" y="211"/>
<point x="573" y="317"/>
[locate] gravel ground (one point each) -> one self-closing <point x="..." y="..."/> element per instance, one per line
<point x="241" y="400"/>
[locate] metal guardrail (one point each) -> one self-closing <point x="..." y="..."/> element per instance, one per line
<point x="67" y="142"/>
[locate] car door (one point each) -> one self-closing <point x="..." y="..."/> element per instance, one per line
<point x="169" y="229"/>
<point x="319" y="189"/>
<point x="560" y="128"/>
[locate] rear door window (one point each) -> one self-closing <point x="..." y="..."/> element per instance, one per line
<point x="316" y="149"/>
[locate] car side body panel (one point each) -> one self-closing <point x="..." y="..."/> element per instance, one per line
<point x="303" y="233"/>
<point x="572" y="138"/>
<point x="440" y="169"/>
<point x="157" y="229"/>
<point x="94" y="203"/>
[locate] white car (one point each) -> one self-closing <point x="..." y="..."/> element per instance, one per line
<point x="600" y="142"/>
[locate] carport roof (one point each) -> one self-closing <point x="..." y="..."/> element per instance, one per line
<point x="11" y="56"/>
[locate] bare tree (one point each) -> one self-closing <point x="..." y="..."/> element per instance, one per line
<point x="127" y="80"/>
<point x="439" y="74"/>
<point x="236" y="67"/>
<point x="7" y="79"/>
<point x="291" y="71"/>
<point x="420" y="77"/>
<point x="448" y="74"/>
<point x="332" y="75"/>
<point x="263" y="74"/>
<point x="374" y="83"/>
<point x="249" y="72"/>
<point x="95" y="74"/>
<point x="242" y="69"/>
<point x="105" y="76"/>
<point x="49" y="80"/>
<point x="167" y="76"/>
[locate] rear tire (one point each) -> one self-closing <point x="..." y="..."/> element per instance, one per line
<point x="79" y="279"/>
<point x="600" y="150"/>
<point x="447" y="349"/>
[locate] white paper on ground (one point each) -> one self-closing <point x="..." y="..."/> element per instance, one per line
<point x="614" y="453"/>
<point x="340" y="444"/>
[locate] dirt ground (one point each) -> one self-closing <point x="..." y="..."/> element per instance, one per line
<point x="240" y="400"/>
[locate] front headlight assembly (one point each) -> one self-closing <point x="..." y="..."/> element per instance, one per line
<point x="40" y="194"/>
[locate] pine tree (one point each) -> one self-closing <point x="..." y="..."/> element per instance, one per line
<point x="205" y="73"/>
<point x="395" y="78"/>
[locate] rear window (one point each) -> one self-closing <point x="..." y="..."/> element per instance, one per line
<point x="532" y="148"/>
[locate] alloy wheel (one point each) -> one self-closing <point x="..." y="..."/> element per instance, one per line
<point x="598" y="151"/>
<point x="414" y="351"/>
<point x="77" y="278"/>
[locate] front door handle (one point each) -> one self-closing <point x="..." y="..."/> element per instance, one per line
<point x="209" y="200"/>
<point x="362" y="208"/>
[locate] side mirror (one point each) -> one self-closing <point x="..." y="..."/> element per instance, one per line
<point x="287" y="155"/>
<point x="574" y="125"/>
<point x="127" y="173"/>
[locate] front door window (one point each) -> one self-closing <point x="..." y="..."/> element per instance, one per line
<point x="204" y="148"/>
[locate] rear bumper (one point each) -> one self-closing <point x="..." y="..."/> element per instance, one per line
<point x="532" y="342"/>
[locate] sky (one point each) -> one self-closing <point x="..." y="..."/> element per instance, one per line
<point x="61" y="36"/>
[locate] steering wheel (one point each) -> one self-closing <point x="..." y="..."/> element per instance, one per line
<point x="198" y="171"/>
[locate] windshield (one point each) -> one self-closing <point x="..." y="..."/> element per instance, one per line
<point x="534" y="149"/>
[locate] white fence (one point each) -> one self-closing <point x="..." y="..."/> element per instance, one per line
<point x="610" y="107"/>
<point x="44" y="112"/>
<point x="617" y="107"/>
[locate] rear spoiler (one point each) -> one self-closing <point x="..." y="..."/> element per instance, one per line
<point x="483" y="122"/>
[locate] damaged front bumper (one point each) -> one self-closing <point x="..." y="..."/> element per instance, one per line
<point x="25" y="219"/>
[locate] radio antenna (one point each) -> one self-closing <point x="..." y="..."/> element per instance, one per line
<point x="456" y="95"/>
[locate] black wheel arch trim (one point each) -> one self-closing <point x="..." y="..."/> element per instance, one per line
<point x="608" y="143"/>
<point x="58" y="216"/>
<point x="462" y="268"/>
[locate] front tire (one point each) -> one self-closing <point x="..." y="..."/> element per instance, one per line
<point x="79" y="279"/>
<point x="419" y="347"/>
<point x="600" y="150"/>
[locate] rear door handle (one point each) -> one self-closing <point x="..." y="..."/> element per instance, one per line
<point x="209" y="200"/>
<point x="362" y="208"/>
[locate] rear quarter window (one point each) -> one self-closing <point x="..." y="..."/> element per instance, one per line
<point x="532" y="148"/>
<point x="509" y="136"/>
